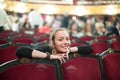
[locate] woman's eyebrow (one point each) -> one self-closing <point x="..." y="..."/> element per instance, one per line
<point x="61" y="37"/>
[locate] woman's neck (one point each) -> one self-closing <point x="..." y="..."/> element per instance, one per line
<point x="56" y="52"/>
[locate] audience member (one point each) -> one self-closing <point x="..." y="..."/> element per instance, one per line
<point x="114" y="30"/>
<point x="100" y="29"/>
<point x="45" y="28"/>
<point x="5" y="22"/>
<point x="35" y="19"/>
<point x="75" y="30"/>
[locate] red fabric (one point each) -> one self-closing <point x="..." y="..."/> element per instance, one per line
<point x="24" y="40"/>
<point x="81" y="69"/>
<point x="115" y="45"/>
<point x="77" y="44"/>
<point x="103" y="38"/>
<point x="99" y="47"/>
<point x="3" y="35"/>
<point x="31" y="71"/>
<point x="8" y="53"/>
<point x="86" y="38"/>
<point x="43" y="39"/>
<point x="38" y="35"/>
<point x="3" y="41"/>
<point x="112" y="66"/>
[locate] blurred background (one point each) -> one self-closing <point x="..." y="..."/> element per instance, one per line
<point x="60" y="13"/>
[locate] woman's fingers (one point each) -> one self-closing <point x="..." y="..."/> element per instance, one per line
<point x="67" y="56"/>
<point x="60" y="57"/>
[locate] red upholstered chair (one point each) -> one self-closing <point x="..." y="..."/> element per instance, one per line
<point x="86" y="38"/>
<point x="4" y="35"/>
<point x="22" y="39"/>
<point x="111" y="63"/>
<point x="103" y="38"/>
<point x="3" y="41"/>
<point x="39" y="35"/>
<point x="78" y="44"/>
<point x="82" y="68"/>
<point x="7" y="52"/>
<point x="99" y="47"/>
<point x="29" y="70"/>
<point x="115" y="45"/>
<point x="43" y="39"/>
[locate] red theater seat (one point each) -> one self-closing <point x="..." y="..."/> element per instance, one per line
<point x="86" y="38"/>
<point x="99" y="47"/>
<point x="111" y="63"/>
<point x="7" y="52"/>
<point x="103" y="38"/>
<point x="3" y="41"/>
<point x="78" y="44"/>
<point x="115" y="45"/>
<point x="25" y="40"/>
<point x="41" y="70"/>
<point x="82" y="68"/>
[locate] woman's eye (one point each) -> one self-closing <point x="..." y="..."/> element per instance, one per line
<point x="60" y="39"/>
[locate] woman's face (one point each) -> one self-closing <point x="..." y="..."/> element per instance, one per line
<point x="62" y="41"/>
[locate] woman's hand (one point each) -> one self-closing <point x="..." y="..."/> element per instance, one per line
<point x="60" y="57"/>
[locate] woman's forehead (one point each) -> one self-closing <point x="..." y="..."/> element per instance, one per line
<point x="62" y="33"/>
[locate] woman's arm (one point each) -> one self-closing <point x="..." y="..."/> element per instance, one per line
<point x="24" y="52"/>
<point x="34" y="53"/>
<point x="81" y="49"/>
<point x="28" y="52"/>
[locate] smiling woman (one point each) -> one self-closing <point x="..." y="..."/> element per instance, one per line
<point x="59" y="48"/>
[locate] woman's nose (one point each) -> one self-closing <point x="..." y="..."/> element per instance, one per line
<point x="66" y="42"/>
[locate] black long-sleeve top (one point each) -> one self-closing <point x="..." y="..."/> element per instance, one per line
<point x="26" y="51"/>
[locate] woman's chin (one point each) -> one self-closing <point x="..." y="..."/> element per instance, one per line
<point x="64" y="51"/>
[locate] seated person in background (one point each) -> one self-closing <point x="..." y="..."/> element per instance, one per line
<point x="100" y="29"/>
<point x="45" y="28"/>
<point x="59" y="48"/>
<point x="75" y="31"/>
<point x="114" y="30"/>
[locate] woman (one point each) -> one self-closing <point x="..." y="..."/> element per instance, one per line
<point x="58" y="49"/>
<point x="75" y="31"/>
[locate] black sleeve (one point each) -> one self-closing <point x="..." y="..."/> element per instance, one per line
<point x="85" y="50"/>
<point x="24" y="52"/>
<point x="44" y="48"/>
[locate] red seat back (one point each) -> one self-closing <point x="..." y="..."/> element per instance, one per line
<point x="27" y="69"/>
<point x="25" y="40"/>
<point x="86" y="38"/>
<point x="112" y="66"/>
<point x="29" y="72"/>
<point x="77" y="44"/>
<point x="103" y="38"/>
<point x="3" y="41"/>
<point x="8" y="53"/>
<point x="99" y="47"/>
<point x="43" y="39"/>
<point x="82" y="68"/>
<point x="115" y="45"/>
